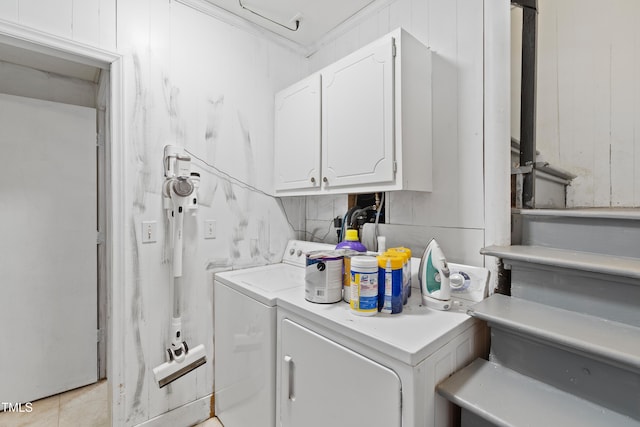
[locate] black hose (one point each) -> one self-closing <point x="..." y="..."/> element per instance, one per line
<point x="348" y="216"/>
<point x="355" y="214"/>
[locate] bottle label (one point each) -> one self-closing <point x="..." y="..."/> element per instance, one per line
<point x="364" y="291"/>
<point x="323" y="280"/>
<point x="388" y="281"/>
<point x="390" y="296"/>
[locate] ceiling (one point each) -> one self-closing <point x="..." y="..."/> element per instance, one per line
<point x="305" y="22"/>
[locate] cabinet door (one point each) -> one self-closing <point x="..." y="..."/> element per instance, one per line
<point x="358" y="117"/>
<point x="297" y="136"/>
<point x="326" y="384"/>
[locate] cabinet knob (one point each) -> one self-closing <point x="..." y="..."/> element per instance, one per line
<point x="324" y="179"/>
<point x="313" y="180"/>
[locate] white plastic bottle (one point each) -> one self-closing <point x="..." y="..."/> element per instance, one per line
<point x="364" y="286"/>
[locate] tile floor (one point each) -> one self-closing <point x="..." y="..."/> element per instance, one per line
<point x="88" y="404"/>
<point x="83" y="407"/>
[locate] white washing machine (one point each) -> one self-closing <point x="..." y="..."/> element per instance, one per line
<point x="245" y="336"/>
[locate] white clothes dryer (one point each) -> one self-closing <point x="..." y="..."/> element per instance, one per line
<point x="338" y="369"/>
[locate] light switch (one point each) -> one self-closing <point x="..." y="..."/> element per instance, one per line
<point x="149" y="231"/>
<point x="210" y="229"/>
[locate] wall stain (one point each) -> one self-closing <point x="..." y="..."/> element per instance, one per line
<point x="137" y="315"/>
<point x="171" y="95"/>
<point x="212" y="406"/>
<point x="248" y="149"/>
<point x="214" y="111"/>
<point x="238" y="232"/>
<point x="138" y="129"/>
<point x="218" y="265"/>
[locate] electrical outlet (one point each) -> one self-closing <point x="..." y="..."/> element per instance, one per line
<point x="149" y="231"/>
<point x="210" y="229"/>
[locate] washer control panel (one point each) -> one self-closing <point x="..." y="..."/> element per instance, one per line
<point x="296" y="251"/>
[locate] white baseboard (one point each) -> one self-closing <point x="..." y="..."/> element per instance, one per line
<point x="187" y="415"/>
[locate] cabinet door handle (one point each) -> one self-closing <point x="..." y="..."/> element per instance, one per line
<point x="313" y="180"/>
<point x="324" y="179"/>
<point x="288" y="363"/>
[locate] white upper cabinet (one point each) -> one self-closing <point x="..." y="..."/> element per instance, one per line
<point x="357" y="118"/>
<point x="374" y="130"/>
<point x="297" y="130"/>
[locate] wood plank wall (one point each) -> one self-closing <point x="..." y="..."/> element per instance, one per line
<point x="92" y="22"/>
<point x="588" y="111"/>
<point x="454" y="32"/>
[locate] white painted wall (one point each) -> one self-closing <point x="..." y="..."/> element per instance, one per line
<point x="455" y="33"/>
<point x="588" y="110"/>
<point x="197" y="82"/>
<point x="92" y="22"/>
<point x="192" y="80"/>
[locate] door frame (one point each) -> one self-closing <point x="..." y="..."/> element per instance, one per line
<point x="112" y="281"/>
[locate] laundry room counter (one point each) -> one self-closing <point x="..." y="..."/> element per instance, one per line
<point x="410" y="336"/>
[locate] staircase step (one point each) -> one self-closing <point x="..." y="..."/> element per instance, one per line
<point x="586" y="213"/>
<point x="569" y="259"/>
<point x="611" y="231"/>
<point x="599" y="285"/>
<point x="589" y="357"/>
<point x="506" y="398"/>
<point x="599" y="338"/>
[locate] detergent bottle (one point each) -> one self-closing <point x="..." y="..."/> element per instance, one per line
<point x="350" y="242"/>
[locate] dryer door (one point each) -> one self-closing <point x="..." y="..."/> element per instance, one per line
<point x="326" y="384"/>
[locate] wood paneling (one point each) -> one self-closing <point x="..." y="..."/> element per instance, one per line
<point x="92" y="22"/>
<point x="454" y="31"/>
<point x="9" y="10"/>
<point x="589" y="97"/>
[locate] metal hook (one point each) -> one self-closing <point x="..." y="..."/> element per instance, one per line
<point x="270" y="20"/>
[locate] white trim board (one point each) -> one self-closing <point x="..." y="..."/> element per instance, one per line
<point x="37" y="41"/>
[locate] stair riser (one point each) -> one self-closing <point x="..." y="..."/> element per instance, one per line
<point x="469" y="419"/>
<point x="617" y="237"/>
<point x="609" y="385"/>
<point x="611" y="297"/>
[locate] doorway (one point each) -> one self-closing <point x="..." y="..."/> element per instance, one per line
<point x="62" y="61"/>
